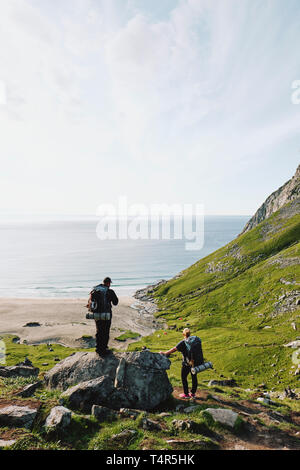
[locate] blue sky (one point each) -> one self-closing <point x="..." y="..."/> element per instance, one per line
<point x="161" y="101"/>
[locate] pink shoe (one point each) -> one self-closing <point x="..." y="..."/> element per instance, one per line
<point x="192" y="395"/>
<point x="183" y="395"/>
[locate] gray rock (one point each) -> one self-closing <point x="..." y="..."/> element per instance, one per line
<point x="186" y="425"/>
<point x="59" y="418"/>
<point x="127" y="413"/>
<point x="266" y="401"/>
<point x="223" y="416"/>
<point x="17" y="416"/>
<point x="29" y="390"/>
<point x="286" y="193"/>
<point x="132" y="380"/>
<point x="19" y="371"/>
<point x="150" y="425"/>
<point x="293" y="344"/>
<point x="200" y="444"/>
<point x="102" y="413"/>
<point x="4" y="443"/>
<point x="124" y="437"/>
<point x="89" y="393"/>
<point x="191" y="409"/>
<point x="80" y="367"/>
<point x="222" y="383"/>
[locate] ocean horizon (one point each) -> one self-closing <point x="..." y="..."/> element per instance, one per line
<point x="61" y="257"/>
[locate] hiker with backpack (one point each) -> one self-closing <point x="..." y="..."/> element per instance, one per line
<point x="99" y="304"/>
<point x="192" y="356"/>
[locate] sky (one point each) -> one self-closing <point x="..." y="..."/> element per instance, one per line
<point x="161" y="101"/>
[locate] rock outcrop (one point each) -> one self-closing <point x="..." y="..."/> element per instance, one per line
<point x="287" y="193"/>
<point x="17" y="416"/>
<point x="135" y="380"/>
<point x="19" y="370"/>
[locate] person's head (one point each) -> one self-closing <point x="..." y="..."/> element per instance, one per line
<point x="186" y="332"/>
<point x="107" y="281"/>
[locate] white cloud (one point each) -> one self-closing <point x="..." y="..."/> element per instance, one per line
<point x="2" y="93"/>
<point x="98" y="87"/>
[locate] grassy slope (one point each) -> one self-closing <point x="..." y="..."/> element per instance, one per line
<point x="231" y="306"/>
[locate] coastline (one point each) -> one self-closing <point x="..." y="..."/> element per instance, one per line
<point x="62" y="321"/>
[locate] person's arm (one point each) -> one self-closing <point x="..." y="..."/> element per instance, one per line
<point x="167" y="353"/>
<point x="113" y="297"/>
<point x="89" y="301"/>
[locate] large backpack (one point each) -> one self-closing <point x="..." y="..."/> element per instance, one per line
<point x="100" y="300"/>
<point x="194" y="347"/>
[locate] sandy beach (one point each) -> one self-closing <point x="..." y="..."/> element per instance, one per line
<point x="63" y="321"/>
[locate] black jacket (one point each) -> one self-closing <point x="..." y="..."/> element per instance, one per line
<point x="112" y="298"/>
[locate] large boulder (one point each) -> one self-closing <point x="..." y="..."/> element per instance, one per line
<point x="91" y="392"/>
<point x="17" y="416"/>
<point x="127" y="380"/>
<point x="80" y="367"/>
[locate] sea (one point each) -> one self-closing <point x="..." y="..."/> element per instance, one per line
<point x="62" y="257"/>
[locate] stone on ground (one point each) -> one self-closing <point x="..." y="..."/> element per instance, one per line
<point x="17" y="416"/>
<point x="7" y="443"/>
<point x="222" y="383"/>
<point x="29" y="390"/>
<point x="223" y="416"/>
<point x="59" y="418"/>
<point x="102" y="413"/>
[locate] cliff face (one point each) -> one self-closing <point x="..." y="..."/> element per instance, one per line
<point x="287" y="193"/>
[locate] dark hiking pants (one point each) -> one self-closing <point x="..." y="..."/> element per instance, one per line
<point x="102" y="335"/>
<point x="184" y="374"/>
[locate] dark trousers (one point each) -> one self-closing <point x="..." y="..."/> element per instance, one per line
<point x="102" y="334"/>
<point x="185" y="370"/>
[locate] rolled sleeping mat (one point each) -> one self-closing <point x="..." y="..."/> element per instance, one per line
<point x="201" y="368"/>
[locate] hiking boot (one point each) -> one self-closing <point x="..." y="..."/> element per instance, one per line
<point x="183" y="395"/>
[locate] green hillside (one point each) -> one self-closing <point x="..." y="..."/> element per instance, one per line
<point x="242" y="300"/>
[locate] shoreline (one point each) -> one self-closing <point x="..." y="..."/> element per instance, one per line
<point x="62" y="320"/>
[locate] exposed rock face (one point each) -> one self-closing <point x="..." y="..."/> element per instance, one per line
<point x="146" y="293"/>
<point x="80" y="367"/>
<point x="135" y="380"/>
<point x="59" y="418"/>
<point x="287" y="193"/>
<point x="17" y="416"/>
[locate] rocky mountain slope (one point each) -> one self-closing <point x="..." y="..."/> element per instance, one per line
<point x="244" y="302"/>
<point x="288" y="192"/>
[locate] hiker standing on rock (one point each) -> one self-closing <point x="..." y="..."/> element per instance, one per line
<point x="192" y="356"/>
<point x="100" y="300"/>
